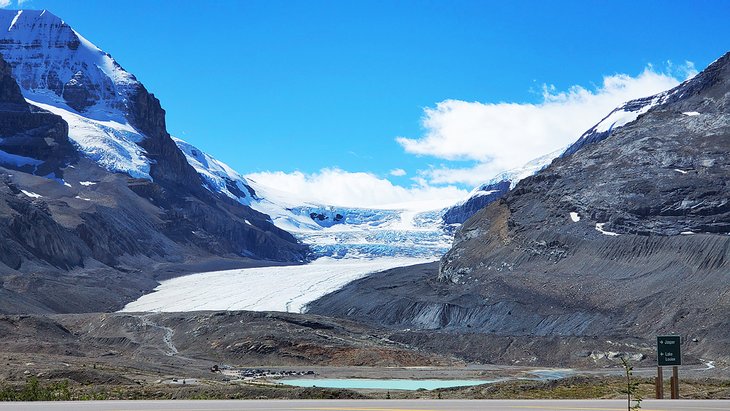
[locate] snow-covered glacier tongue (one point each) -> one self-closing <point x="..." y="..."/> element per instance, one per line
<point x="280" y="288"/>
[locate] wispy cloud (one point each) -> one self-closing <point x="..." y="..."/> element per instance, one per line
<point x="5" y="3"/>
<point x="490" y="137"/>
<point x="356" y="189"/>
<point x="498" y="136"/>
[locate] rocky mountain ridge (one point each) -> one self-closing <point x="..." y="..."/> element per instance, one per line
<point x="495" y="188"/>
<point x="624" y="235"/>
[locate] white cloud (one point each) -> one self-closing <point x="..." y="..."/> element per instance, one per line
<point x="5" y="3"/>
<point x="398" y="172"/>
<point x="501" y="136"/>
<point x="356" y="189"/>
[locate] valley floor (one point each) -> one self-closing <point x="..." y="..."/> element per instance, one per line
<point x="172" y="356"/>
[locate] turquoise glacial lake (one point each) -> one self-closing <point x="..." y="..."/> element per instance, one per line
<point x="412" y="385"/>
<point x="364" y="383"/>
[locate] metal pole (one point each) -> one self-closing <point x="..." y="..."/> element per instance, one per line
<point x="659" y="383"/>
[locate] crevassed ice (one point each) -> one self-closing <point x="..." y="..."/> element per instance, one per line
<point x="403" y="230"/>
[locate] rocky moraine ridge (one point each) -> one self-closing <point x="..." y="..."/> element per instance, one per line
<point x="95" y="196"/>
<point x="627" y="235"/>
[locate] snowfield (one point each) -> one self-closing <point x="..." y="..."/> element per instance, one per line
<point x="287" y="288"/>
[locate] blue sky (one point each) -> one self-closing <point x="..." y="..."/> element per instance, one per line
<point x="317" y="92"/>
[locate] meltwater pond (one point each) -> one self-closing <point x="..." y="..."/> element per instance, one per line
<point x="364" y="383"/>
<point x="414" y="384"/>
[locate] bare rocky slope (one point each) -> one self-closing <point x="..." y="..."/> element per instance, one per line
<point x="196" y="340"/>
<point x="626" y="236"/>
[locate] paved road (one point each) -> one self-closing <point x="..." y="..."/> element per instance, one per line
<point x="373" y="405"/>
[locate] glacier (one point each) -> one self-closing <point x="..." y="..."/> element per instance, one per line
<point x="406" y="230"/>
<point x="284" y="288"/>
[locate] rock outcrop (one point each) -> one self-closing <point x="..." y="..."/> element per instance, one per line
<point x="31" y="139"/>
<point x="495" y="188"/>
<point x="484" y="195"/>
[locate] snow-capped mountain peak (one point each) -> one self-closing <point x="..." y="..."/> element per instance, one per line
<point x="56" y="65"/>
<point x="59" y="70"/>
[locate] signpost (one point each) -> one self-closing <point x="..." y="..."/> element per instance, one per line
<point x="668" y="354"/>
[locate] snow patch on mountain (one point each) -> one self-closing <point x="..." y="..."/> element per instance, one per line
<point x="111" y="143"/>
<point x="599" y="228"/>
<point x="31" y="194"/>
<point x="218" y="176"/>
<point x="624" y="115"/>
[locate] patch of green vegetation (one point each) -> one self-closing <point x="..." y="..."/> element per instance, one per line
<point x="32" y="390"/>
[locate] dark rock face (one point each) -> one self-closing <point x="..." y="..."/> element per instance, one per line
<point x="32" y="227"/>
<point x="179" y="189"/>
<point x="11" y="99"/>
<point x="80" y="92"/>
<point x="169" y="163"/>
<point x="34" y="140"/>
<point x="461" y="212"/>
<point x="648" y="254"/>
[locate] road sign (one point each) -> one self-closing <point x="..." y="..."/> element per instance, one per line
<point x="667" y="347"/>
